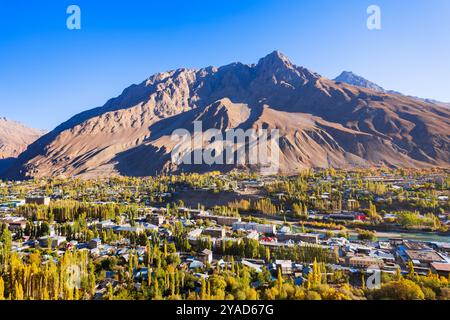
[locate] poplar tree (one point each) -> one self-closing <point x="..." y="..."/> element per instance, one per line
<point x="2" y="288"/>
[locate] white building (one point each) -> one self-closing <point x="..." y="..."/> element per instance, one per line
<point x="261" y="228"/>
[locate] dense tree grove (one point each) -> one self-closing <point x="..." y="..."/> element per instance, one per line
<point x="155" y="263"/>
<point x="75" y="275"/>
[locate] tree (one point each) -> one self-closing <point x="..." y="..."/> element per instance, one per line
<point x="363" y="281"/>
<point x="280" y="282"/>
<point x="5" y="247"/>
<point x="2" y="288"/>
<point x="203" y="290"/>
<point x="312" y="295"/>
<point x="366" y="235"/>
<point x="411" y="272"/>
<point x="110" y="295"/>
<point x="18" y="291"/>
<point x="398" y="274"/>
<point x="315" y="276"/>
<point x="218" y="286"/>
<point x="44" y="229"/>
<point x="402" y="289"/>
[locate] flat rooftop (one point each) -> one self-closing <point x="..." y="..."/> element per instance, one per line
<point x="424" y="256"/>
<point x="441" y="266"/>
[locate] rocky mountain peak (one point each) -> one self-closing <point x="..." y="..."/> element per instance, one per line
<point x="275" y="59"/>
<point x="279" y="69"/>
<point x="355" y="80"/>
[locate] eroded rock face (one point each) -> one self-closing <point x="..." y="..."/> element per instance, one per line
<point x="322" y="123"/>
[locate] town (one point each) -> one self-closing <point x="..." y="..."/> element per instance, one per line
<point x="237" y="236"/>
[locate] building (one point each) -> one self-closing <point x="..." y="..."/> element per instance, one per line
<point x="275" y="245"/>
<point x="304" y="237"/>
<point x="285" y="229"/>
<point x="253" y="235"/>
<point x="391" y="268"/>
<point x="396" y="242"/>
<point x="415" y="245"/>
<point x="442" y="246"/>
<point x="357" y="248"/>
<point x="423" y="258"/>
<point x="364" y="262"/>
<point x="150" y="227"/>
<point x="442" y="269"/>
<point x="261" y="228"/>
<point x="196" y="265"/>
<point x="195" y="213"/>
<point x="251" y="265"/>
<point x="15" y="224"/>
<point x="226" y="221"/>
<point x="155" y="219"/>
<point x="214" y="232"/>
<point x="285" y="266"/>
<point x="106" y="224"/>
<point x="13" y="204"/>
<point x="221" y="220"/>
<point x="54" y="241"/>
<point x="94" y="243"/>
<point x="123" y="229"/>
<point x="206" y="256"/>
<point x="196" y="233"/>
<point x="44" y="201"/>
<point x="220" y="241"/>
<point x="383" y="255"/>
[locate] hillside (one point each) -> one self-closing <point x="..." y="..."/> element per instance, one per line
<point x="15" y="137"/>
<point x="322" y="123"/>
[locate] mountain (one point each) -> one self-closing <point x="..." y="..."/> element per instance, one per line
<point x="15" y="137"/>
<point x="356" y="80"/>
<point x="322" y="123"/>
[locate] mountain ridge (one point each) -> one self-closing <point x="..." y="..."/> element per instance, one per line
<point x="352" y="78"/>
<point x="323" y="124"/>
<point x="15" y="137"/>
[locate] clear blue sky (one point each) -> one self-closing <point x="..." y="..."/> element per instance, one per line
<point x="49" y="73"/>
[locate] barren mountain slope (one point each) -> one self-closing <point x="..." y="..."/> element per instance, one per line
<point x="15" y="137"/>
<point x="322" y="123"/>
